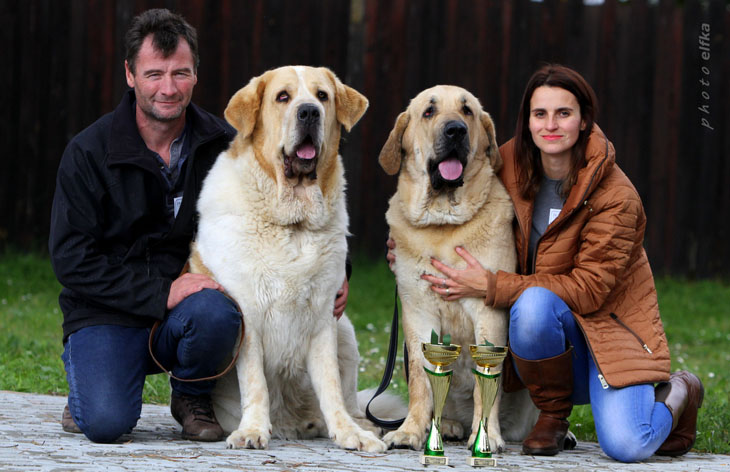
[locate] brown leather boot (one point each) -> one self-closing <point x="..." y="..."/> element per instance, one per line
<point x="196" y="415"/>
<point x="683" y="395"/>
<point x="67" y="422"/>
<point x="550" y="382"/>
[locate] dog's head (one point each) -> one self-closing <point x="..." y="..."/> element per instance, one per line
<point x="443" y="142"/>
<point x="292" y="116"/>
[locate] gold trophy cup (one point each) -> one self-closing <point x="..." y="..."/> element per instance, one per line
<point x="441" y="356"/>
<point x="486" y="358"/>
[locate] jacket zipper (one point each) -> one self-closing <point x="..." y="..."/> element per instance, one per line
<point x="643" y="344"/>
<point x="601" y="379"/>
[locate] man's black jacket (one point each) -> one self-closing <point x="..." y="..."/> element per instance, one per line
<point x="111" y="245"/>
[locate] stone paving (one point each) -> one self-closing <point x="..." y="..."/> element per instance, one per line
<point x="31" y="439"/>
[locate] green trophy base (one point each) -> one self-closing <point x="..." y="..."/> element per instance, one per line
<point x="482" y="461"/>
<point x="434" y="460"/>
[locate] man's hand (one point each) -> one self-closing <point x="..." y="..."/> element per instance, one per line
<point x="341" y="300"/>
<point x="188" y="284"/>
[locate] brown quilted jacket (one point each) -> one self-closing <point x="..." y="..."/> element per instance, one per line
<point x="592" y="257"/>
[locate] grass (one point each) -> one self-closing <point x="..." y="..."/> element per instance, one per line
<point x="696" y="317"/>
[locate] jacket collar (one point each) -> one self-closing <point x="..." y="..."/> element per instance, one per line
<point x="600" y="158"/>
<point x="126" y="144"/>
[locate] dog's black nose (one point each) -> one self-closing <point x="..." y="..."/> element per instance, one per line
<point x="308" y="113"/>
<point x="455" y="130"/>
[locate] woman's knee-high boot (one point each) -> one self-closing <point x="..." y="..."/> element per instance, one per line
<point x="550" y="382"/>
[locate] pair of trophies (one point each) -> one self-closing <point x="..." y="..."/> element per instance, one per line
<point x="487" y="357"/>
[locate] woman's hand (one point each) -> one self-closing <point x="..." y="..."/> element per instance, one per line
<point x="341" y="300"/>
<point x="390" y="256"/>
<point x="472" y="281"/>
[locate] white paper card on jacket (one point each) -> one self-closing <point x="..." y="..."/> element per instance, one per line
<point x="554" y="212"/>
<point x="176" y="204"/>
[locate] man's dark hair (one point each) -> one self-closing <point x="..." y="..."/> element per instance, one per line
<point x="166" y="28"/>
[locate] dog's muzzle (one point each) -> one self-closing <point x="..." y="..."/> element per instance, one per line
<point x="451" y="149"/>
<point x="303" y="159"/>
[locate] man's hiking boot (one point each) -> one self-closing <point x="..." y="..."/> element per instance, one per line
<point x="196" y="415"/>
<point x="67" y="422"/>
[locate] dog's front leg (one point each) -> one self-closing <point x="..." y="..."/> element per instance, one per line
<point x="254" y="431"/>
<point x="324" y="373"/>
<point x="412" y="433"/>
<point x="489" y="325"/>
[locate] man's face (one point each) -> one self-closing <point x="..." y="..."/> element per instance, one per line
<point x="163" y="85"/>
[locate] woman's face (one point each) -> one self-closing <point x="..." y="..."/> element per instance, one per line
<point x="555" y="121"/>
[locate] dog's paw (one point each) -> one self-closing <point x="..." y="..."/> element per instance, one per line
<point x="248" y="439"/>
<point x="403" y="438"/>
<point x="496" y="443"/>
<point x="452" y="430"/>
<point x="361" y="440"/>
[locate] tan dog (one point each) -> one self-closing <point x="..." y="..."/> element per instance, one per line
<point x="448" y="195"/>
<point x="272" y="231"/>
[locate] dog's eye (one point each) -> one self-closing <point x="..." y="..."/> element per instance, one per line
<point x="428" y="113"/>
<point x="283" y="97"/>
<point x="322" y="96"/>
<point x="467" y="111"/>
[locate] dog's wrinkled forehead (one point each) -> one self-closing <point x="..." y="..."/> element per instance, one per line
<point x="298" y="84"/>
<point x="443" y="99"/>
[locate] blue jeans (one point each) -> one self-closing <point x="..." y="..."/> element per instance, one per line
<point x="106" y="365"/>
<point x="630" y="425"/>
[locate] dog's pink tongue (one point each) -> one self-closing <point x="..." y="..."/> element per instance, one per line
<point x="306" y="151"/>
<point x="451" y="169"/>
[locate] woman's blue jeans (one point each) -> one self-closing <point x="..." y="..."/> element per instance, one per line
<point x="106" y="365"/>
<point x="630" y="425"/>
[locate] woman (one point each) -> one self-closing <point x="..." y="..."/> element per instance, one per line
<point x="584" y="318"/>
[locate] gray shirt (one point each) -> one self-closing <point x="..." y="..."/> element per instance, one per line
<point x="548" y="204"/>
<point x="179" y="150"/>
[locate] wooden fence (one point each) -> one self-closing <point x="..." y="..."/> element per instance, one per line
<point x="661" y="71"/>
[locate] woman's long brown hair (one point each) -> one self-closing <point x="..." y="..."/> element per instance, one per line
<point x="529" y="164"/>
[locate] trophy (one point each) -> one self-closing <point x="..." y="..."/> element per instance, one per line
<point x="440" y="355"/>
<point x="486" y="357"/>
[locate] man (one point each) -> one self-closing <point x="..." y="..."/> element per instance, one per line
<point x="122" y="221"/>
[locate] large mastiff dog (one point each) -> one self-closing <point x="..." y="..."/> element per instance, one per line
<point x="448" y="195"/>
<point x="272" y="231"/>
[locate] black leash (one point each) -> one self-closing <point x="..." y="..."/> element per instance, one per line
<point x="388" y="374"/>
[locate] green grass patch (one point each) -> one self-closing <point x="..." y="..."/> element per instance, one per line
<point x="696" y="317"/>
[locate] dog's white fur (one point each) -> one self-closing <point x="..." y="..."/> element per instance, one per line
<point x="275" y="239"/>
<point x="427" y="222"/>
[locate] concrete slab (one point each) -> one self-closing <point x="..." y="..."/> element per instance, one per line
<point x="31" y="439"/>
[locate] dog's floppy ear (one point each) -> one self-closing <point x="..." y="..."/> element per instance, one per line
<point x="392" y="152"/>
<point x="243" y="107"/>
<point x="492" y="148"/>
<point x="349" y="103"/>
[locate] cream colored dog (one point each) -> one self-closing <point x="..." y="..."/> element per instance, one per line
<point x="272" y="231"/>
<point x="448" y="195"/>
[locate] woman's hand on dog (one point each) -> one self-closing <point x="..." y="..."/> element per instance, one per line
<point x="341" y="300"/>
<point x="472" y="281"/>
<point x="390" y="255"/>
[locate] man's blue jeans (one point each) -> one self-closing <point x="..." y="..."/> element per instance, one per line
<point x="630" y="425"/>
<point x="106" y="365"/>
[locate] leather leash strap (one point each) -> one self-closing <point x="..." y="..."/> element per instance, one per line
<point x="388" y="374"/>
<point x="212" y="377"/>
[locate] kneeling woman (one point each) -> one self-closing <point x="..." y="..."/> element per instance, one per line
<point x="584" y="318"/>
